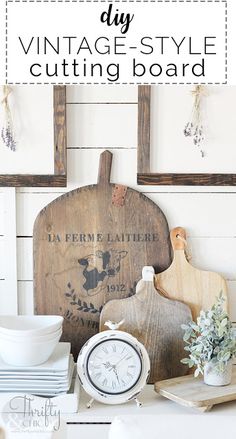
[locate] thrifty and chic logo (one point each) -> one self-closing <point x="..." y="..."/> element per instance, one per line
<point x="100" y="42"/>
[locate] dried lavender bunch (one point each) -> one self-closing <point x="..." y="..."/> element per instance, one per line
<point x="7" y="136"/>
<point x="7" y="131"/>
<point x="194" y="128"/>
<point x="188" y="130"/>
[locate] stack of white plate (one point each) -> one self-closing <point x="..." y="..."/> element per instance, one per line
<point x="29" y="340"/>
<point x="51" y="378"/>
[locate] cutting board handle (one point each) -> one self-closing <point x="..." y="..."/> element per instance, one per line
<point x="178" y="238"/>
<point x="105" y="163"/>
<point x="148" y="273"/>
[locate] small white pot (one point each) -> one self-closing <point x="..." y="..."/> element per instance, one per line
<point x="213" y="377"/>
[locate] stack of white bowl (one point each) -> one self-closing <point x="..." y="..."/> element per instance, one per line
<point x="29" y="340"/>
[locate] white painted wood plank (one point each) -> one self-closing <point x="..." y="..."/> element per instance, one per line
<point x="171" y="151"/>
<point x="96" y="94"/>
<point x="216" y="254"/>
<point x="203" y="215"/>
<point x="28" y="207"/>
<point x="83" y="169"/>
<point x="1" y="214"/>
<point x="33" y="131"/>
<point x="25" y="298"/>
<point x="26" y="306"/>
<point x="232" y="299"/>
<point x="198" y="213"/>
<point x="100" y="125"/>
<point x="2" y="265"/>
<point x="25" y="259"/>
<point x="10" y="255"/>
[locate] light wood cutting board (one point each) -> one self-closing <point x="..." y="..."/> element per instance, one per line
<point x="181" y="281"/>
<point x="156" y="322"/>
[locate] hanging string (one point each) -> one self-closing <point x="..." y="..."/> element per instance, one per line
<point x="194" y="128"/>
<point x="7" y="131"/>
<point x="186" y="248"/>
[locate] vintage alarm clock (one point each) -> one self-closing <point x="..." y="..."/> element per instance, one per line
<point x="113" y="366"/>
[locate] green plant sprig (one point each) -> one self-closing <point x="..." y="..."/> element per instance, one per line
<point x="211" y="339"/>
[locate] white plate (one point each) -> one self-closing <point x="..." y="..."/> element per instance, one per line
<point x="57" y="363"/>
<point x="29" y="376"/>
<point x="40" y="387"/>
<point x="26" y="383"/>
<point x="36" y="383"/>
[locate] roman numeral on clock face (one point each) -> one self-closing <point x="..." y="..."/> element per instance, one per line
<point x="105" y="350"/>
<point x="104" y="383"/>
<point x="98" y="375"/>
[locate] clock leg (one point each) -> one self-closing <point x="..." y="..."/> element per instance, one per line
<point x="138" y="403"/>
<point x="90" y="403"/>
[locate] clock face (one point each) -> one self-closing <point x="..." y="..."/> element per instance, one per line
<point x="114" y="366"/>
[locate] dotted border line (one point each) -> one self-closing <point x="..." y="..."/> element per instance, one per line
<point x="226" y="42"/>
<point x="6" y="42"/>
<point x="117" y="1"/>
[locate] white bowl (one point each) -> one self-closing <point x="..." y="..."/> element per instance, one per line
<point x="30" y="325"/>
<point x="30" y="338"/>
<point x="27" y="354"/>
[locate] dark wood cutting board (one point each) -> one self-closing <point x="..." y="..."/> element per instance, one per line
<point x="156" y="322"/>
<point x="90" y="245"/>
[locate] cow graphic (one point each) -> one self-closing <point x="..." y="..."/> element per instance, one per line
<point x="99" y="267"/>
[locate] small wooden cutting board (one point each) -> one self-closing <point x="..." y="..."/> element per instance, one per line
<point x="193" y="392"/>
<point x="156" y="322"/>
<point x="181" y="281"/>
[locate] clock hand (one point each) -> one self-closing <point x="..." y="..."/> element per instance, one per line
<point x="121" y="360"/>
<point x="115" y="371"/>
<point x="110" y="367"/>
<point x="107" y="365"/>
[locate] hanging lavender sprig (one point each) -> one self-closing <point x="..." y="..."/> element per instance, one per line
<point x="7" y="131"/>
<point x="194" y="128"/>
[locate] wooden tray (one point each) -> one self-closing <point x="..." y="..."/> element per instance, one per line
<point x="192" y="392"/>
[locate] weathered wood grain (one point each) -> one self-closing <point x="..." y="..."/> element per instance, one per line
<point x="156" y="322"/>
<point x="89" y="249"/>
<point x="192" y="392"/>
<point x="181" y="281"/>
<point x="144" y="108"/>
<point x="60" y="130"/>
<point x="19" y="180"/>
<point x="59" y="178"/>
<point x="159" y="179"/>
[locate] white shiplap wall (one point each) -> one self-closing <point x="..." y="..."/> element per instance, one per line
<point x="106" y="117"/>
